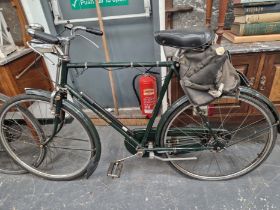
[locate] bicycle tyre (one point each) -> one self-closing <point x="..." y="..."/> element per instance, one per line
<point x="207" y="160"/>
<point x="7" y="165"/>
<point x="67" y="157"/>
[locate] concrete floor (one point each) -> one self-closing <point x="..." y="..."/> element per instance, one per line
<point x="144" y="184"/>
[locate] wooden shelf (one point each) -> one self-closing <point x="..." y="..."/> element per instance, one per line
<point x="257" y="38"/>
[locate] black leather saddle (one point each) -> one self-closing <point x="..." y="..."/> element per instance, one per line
<point x="194" y="37"/>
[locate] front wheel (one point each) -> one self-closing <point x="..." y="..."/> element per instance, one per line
<point x="66" y="156"/>
<point x="242" y="136"/>
<point x="7" y="165"/>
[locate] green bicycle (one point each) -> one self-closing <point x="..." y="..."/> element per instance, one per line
<point x="213" y="142"/>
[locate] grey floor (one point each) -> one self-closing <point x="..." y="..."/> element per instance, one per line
<point x="144" y="184"/>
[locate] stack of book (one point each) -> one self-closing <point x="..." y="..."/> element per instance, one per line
<point x="256" y="18"/>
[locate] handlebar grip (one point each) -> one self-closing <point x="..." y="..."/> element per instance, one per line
<point x="42" y="36"/>
<point x="94" y="31"/>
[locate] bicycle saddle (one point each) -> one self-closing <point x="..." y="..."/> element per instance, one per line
<point x="194" y="37"/>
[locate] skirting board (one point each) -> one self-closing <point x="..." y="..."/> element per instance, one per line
<point x="131" y="117"/>
<point x="257" y="38"/>
<point x="127" y="122"/>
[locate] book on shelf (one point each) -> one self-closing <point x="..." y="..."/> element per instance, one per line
<point x="256" y="28"/>
<point x="242" y="3"/>
<point x="258" y="18"/>
<point x="255" y="38"/>
<point x="274" y="8"/>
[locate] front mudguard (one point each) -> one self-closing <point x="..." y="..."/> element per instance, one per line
<point x="93" y="131"/>
<point x="243" y="90"/>
<point x="38" y="92"/>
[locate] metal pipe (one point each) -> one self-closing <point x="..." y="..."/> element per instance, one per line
<point x="117" y="17"/>
<point x="59" y="19"/>
<point x="121" y="64"/>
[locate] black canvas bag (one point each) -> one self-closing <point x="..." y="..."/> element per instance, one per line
<point x="207" y="74"/>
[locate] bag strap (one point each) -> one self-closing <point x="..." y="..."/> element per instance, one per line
<point x="192" y="85"/>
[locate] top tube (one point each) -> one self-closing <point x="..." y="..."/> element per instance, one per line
<point x="121" y="64"/>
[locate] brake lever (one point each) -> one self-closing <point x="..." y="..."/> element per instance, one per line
<point x="92" y="42"/>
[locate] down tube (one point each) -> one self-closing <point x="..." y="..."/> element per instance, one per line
<point x="158" y="105"/>
<point x="102" y="113"/>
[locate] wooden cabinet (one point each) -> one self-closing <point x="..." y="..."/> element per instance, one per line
<point x="20" y="73"/>
<point x="275" y="90"/>
<point x="261" y="69"/>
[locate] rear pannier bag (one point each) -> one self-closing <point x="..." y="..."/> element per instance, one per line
<point x="206" y="75"/>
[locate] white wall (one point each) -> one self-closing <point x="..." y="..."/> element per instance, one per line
<point x="162" y="55"/>
<point x="35" y="14"/>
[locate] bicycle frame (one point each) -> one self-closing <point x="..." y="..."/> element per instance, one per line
<point x="107" y="116"/>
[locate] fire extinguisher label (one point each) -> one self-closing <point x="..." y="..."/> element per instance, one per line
<point x="149" y="92"/>
<point x="148" y="111"/>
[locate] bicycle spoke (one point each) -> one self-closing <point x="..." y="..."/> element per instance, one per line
<point x="70" y="148"/>
<point x="241" y="141"/>
<point x="65" y="156"/>
<point x="252" y="135"/>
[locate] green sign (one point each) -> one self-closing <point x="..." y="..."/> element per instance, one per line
<point x="90" y="4"/>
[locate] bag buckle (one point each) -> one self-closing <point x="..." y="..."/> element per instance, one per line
<point x="217" y="93"/>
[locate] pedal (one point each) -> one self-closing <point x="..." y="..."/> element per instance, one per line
<point x="115" y="169"/>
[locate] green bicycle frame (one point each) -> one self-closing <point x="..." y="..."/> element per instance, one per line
<point x="107" y="116"/>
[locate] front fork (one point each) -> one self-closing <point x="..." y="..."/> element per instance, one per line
<point x="59" y="115"/>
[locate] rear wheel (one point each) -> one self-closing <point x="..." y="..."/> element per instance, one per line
<point x="68" y="153"/>
<point x="243" y="135"/>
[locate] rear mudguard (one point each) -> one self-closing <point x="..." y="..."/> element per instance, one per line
<point x="166" y="115"/>
<point x="243" y="90"/>
<point x="265" y="100"/>
<point x="93" y="132"/>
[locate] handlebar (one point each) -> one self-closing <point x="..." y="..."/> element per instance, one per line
<point x="94" y="31"/>
<point x="87" y="29"/>
<point x="48" y="38"/>
<point x="51" y="39"/>
<point x="58" y="45"/>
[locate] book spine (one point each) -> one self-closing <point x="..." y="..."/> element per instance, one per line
<point x="269" y="17"/>
<point x="254" y="1"/>
<point x="257" y="4"/>
<point x="236" y="1"/>
<point x="260" y="28"/>
<point x="262" y="9"/>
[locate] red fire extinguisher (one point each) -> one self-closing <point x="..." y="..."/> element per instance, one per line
<point x="148" y="94"/>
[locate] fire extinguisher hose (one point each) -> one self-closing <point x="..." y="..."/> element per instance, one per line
<point x="134" y="88"/>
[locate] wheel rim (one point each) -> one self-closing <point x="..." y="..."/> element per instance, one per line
<point x="67" y="155"/>
<point x="226" y="164"/>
